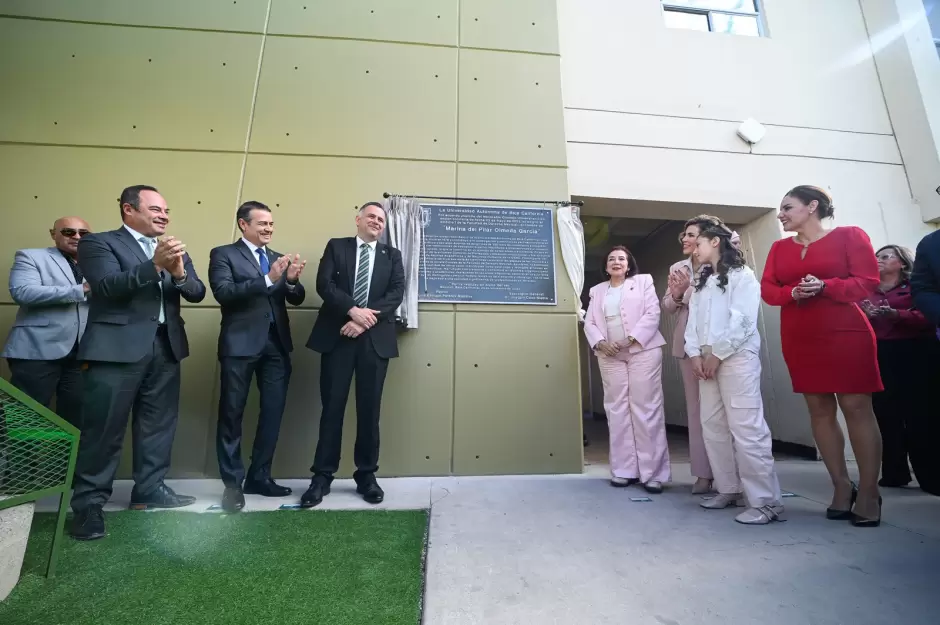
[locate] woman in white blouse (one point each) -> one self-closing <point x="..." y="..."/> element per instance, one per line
<point x="622" y="326"/>
<point x="722" y="340"/>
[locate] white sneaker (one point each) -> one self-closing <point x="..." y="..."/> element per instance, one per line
<point x="721" y="501"/>
<point x="762" y="515"/>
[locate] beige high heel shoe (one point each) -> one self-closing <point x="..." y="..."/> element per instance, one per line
<point x="702" y="486"/>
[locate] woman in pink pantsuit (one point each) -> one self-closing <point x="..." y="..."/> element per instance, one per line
<point x="676" y="302"/>
<point x="622" y="326"/>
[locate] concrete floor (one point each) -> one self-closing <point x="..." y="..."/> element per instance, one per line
<point x="541" y="550"/>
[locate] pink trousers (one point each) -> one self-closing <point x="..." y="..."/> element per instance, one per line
<point x="633" y="399"/>
<point x="698" y="457"/>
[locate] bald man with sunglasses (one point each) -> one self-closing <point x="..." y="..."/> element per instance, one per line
<point x="52" y="293"/>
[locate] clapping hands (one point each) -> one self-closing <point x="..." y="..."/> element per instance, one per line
<point x="168" y="256"/>
<point x="679" y="282"/>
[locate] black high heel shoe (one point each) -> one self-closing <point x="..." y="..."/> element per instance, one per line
<point x="859" y="521"/>
<point x="844" y="515"/>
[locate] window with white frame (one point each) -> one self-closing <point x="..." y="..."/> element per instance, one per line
<point x="736" y="17"/>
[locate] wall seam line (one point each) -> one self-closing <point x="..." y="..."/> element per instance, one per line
<point x="684" y="149"/>
<point x="884" y="100"/>
<point x="728" y="121"/>
<point x="453" y="372"/>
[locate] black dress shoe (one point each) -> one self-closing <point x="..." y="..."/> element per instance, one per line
<point x="266" y="488"/>
<point x="319" y="488"/>
<point x="161" y="497"/>
<point x="233" y="499"/>
<point x="88" y="524"/>
<point x="834" y="514"/>
<point x="370" y="490"/>
<point x="860" y="521"/>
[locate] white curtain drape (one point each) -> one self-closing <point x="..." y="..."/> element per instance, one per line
<point x="571" y="235"/>
<point x="404" y="233"/>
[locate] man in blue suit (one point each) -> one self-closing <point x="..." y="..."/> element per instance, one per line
<point x="253" y="283"/>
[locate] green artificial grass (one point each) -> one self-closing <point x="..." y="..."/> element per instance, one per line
<point x="177" y="568"/>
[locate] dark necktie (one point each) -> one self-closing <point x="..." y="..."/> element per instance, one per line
<point x="76" y="270"/>
<point x="263" y="260"/>
<point x="361" y="292"/>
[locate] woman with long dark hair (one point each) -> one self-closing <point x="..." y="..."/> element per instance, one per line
<point x="723" y="342"/>
<point x="622" y="326"/>
<point x="908" y="353"/>
<point x="816" y="277"/>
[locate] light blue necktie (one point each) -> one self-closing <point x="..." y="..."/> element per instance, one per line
<point x="148" y="245"/>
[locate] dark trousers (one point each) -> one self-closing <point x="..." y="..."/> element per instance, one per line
<point x="906" y="411"/>
<point x="150" y="390"/>
<point x="272" y="370"/>
<point x="44" y="379"/>
<point x="336" y="372"/>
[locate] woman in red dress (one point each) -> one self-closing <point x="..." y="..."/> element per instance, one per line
<point x="816" y="278"/>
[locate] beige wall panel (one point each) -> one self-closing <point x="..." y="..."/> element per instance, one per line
<point x="418" y="402"/>
<point x="315" y="199"/>
<point x="416" y="21"/>
<point x="416" y="416"/>
<point x="356" y="98"/>
<point x="537" y="183"/>
<point x="239" y="15"/>
<point x="87" y="84"/>
<point x="200" y="375"/>
<point x="510" y="109"/>
<point x="7" y="315"/>
<point x="525" y="25"/>
<point x="517" y="395"/>
<point x="42" y="183"/>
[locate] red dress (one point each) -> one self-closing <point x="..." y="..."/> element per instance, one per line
<point x="828" y="343"/>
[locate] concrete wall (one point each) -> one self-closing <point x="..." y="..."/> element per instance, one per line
<point x="909" y="69"/>
<point x="313" y="107"/>
<point x="651" y="115"/>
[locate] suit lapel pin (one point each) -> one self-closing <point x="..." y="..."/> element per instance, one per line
<point x="383" y="251"/>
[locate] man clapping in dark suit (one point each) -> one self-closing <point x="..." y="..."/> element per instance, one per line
<point x="131" y="350"/>
<point x="362" y="283"/>
<point x="252" y="283"/>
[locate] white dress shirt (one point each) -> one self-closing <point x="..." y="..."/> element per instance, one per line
<point x="725" y="321"/>
<point x="254" y="254"/>
<point x="149" y="250"/>
<point x="359" y="244"/>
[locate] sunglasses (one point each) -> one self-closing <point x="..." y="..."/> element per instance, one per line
<point x="886" y="256"/>
<point x="71" y="232"/>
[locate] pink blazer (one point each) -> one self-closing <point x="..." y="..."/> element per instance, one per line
<point x="639" y="312"/>
<point x="671" y="307"/>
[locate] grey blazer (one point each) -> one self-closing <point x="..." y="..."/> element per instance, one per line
<point x="53" y="309"/>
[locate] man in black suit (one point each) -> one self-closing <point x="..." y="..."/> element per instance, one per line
<point x="362" y="283"/>
<point x="252" y="283"/>
<point x="131" y="353"/>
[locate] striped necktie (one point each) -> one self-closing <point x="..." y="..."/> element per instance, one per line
<point x="361" y="292"/>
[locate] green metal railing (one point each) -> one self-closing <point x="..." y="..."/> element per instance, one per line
<point x="37" y="457"/>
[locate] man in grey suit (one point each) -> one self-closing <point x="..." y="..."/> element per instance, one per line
<point x="131" y="354"/>
<point x="42" y="347"/>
